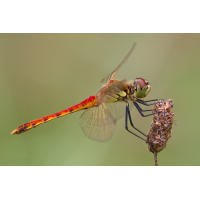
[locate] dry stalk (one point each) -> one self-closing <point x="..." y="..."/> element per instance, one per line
<point x="161" y="126"/>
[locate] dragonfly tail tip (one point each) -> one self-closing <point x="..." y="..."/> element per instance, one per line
<point x="14" y="132"/>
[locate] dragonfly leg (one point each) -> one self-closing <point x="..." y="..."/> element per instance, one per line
<point x="150" y="100"/>
<point x="140" y="110"/>
<point x="147" y="104"/>
<point x="128" y="115"/>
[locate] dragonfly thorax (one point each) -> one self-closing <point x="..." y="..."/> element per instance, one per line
<point x="117" y="90"/>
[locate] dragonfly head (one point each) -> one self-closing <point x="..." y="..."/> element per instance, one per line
<point x="142" y="87"/>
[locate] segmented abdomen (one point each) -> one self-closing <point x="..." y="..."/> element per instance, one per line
<point x="91" y="101"/>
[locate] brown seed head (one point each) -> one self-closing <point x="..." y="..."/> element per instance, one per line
<point x="161" y="126"/>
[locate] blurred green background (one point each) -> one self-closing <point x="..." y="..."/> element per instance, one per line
<point x="41" y="74"/>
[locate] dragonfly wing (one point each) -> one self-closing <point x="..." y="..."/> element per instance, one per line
<point x="118" y="109"/>
<point x="112" y="75"/>
<point x="98" y="123"/>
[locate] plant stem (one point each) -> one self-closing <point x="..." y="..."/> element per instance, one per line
<point x="155" y="159"/>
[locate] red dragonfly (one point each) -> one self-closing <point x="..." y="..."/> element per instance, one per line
<point x="99" y="119"/>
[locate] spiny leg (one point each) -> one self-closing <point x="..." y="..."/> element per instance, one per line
<point x="143" y="102"/>
<point x="126" y="124"/>
<point x="151" y="100"/>
<point x="128" y="115"/>
<point x="140" y="110"/>
<point x="146" y="104"/>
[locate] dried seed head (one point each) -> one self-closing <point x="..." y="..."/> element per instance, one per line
<point x="161" y="126"/>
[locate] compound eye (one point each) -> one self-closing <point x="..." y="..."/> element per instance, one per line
<point x="142" y="83"/>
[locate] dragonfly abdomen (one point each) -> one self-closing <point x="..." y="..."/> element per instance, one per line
<point x="91" y="101"/>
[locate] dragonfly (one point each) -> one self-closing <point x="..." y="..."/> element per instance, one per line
<point x="99" y="118"/>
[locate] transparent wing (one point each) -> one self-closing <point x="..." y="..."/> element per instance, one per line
<point x="118" y="109"/>
<point x="112" y="75"/>
<point x="98" y="123"/>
